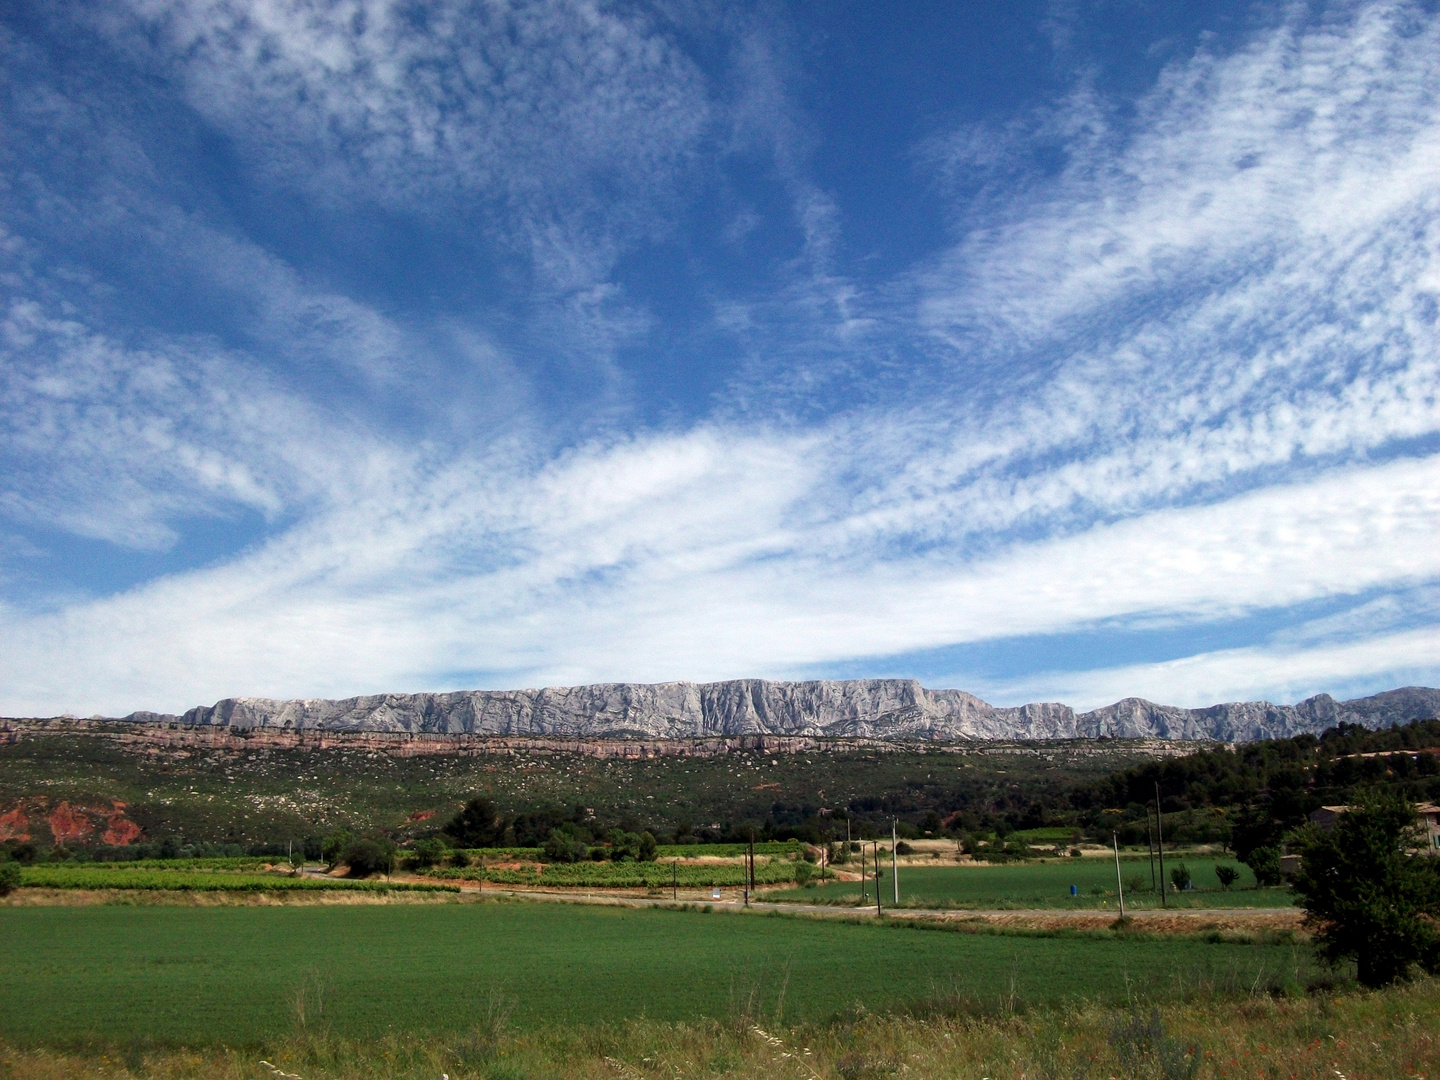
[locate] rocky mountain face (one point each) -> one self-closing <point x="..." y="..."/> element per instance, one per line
<point x="852" y="708"/>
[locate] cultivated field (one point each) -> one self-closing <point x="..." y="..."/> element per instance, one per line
<point x="187" y="974"/>
<point x="1044" y="885"/>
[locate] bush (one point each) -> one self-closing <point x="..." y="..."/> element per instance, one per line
<point x="1180" y="877"/>
<point x="1366" y="896"/>
<point x="562" y="848"/>
<point x="9" y="877"/>
<point x="1228" y="875"/>
<point x="902" y="848"/>
<point x="430" y="851"/>
<point x="366" y="857"/>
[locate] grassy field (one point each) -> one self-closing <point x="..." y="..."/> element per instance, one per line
<point x="246" y="974"/>
<point x="1378" y="1036"/>
<point x="1047" y="885"/>
<point x="121" y="876"/>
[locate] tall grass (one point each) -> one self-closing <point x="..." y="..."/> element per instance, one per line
<point x="1386" y="1035"/>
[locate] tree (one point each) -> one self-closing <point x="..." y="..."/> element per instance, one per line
<point x="1180" y="877"/>
<point x="645" y="849"/>
<point x="1366" y="896"/>
<point x="478" y="824"/>
<point x="333" y="847"/>
<point x="1265" y="862"/>
<point x="1228" y="875"/>
<point x="366" y="857"/>
<point x="9" y="877"/>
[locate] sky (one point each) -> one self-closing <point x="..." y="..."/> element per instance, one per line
<point x="1050" y="351"/>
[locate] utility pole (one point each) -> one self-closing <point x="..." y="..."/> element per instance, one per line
<point x="1150" y="847"/>
<point x="864" y="893"/>
<point x="675" y="878"/>
<point x="894" y="863"/>
<point x="1119" y="887"/>
<point x="752" y="860"/>
<point x="1160" y="845"/>
<point x="877" y="877"/>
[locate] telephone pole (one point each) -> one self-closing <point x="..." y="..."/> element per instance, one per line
<point x="1150" y="847"/>
<point x="877" y="878"/>
<point x="894" y="863"/>
<point x="1119" y="887"/>
<point x="1160" y="845"/>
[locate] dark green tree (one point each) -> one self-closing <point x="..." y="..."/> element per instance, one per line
<point x="477" y="825"/>
<point x="1228" y="875"/>
<point x="9" y="877"/>
<point x="1367" y="895"/>
<point x="333" y="847"/>
<point x="369" y="856"/>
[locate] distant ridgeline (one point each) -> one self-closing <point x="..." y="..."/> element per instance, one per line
<point x="884" y="709"/>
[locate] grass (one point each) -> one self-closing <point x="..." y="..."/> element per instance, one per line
<point x="1380" y="1036"/>
<point x="1047" y="885"/>
<point x="233" y="975"/>
<point x="111" y="876"/>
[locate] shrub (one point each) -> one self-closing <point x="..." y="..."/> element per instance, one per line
<point x="902" y="848"/>
<point x="9" y="877"/>
<point x="560" y="847"/>
<point x="430" y="851"/>
<point x="1180" y="877"/>
<point x="1228" y="875"/>
<point x="365" y="857"/>
<point x="647" y="847"/>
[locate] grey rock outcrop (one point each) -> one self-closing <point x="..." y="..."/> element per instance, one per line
<point x="852" y="708"/>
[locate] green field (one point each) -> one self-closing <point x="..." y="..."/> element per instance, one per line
<point x="235" y="974"/>
<point x="1047" y="885"/>
<point x="120" y="876"/>
<point x="628" y="875"/>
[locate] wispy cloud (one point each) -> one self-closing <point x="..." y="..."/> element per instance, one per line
<point x="1190" y="377"/>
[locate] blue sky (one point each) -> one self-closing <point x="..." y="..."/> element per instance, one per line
<point x="1049" y="351"/>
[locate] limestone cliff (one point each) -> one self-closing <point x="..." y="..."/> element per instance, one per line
<point x="855" y="708"/>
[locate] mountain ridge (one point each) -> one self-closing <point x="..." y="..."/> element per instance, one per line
<point x="896" y="709"/>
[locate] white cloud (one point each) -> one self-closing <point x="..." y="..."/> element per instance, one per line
<point x="1194" y="378"/>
